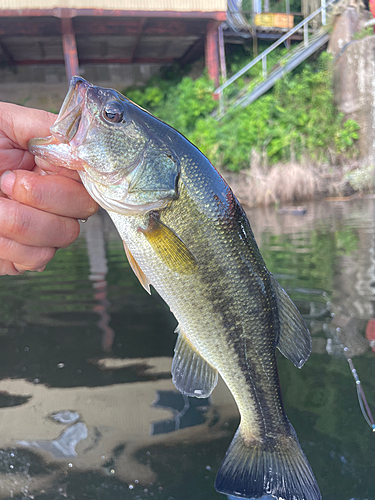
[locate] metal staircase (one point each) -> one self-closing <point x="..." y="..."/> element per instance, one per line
<point x="291" y="60"/>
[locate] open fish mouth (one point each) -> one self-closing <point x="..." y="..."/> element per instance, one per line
<point x="66" y="126"/>
<point x="69" y="130"/>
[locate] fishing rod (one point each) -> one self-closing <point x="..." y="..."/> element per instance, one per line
<point x="365" y="409"/>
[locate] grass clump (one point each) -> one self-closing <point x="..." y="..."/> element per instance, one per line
<point x="363" y="33"/>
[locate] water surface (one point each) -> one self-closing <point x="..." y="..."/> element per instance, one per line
<point x="87" y="406"/>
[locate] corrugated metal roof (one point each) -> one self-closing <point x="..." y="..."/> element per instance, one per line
<point x="141" y="5"/>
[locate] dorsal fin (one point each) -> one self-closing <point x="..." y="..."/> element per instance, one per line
<point x="137" y="270"/>
<point x="191" y="374"/>
<point x="294" y="340"/>
<point x="169" y="247"/>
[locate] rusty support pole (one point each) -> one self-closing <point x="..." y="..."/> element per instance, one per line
<point x="223" y="68"/>
<point x="70" y="47"/>
<point x="212" y="52"/>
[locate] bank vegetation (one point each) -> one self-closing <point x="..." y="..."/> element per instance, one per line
<point x="289" y="145"/>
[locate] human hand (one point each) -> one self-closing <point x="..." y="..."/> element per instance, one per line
<point x="38" y="212"/>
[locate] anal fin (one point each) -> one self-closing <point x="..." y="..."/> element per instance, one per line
<point x="137" y="270"/>
<point x="294" y="340"/>
<point x="168" y="246"/>
<point x="191" y="374"/>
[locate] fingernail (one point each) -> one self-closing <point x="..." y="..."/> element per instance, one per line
<point x="7" y="182"/>
<point x="40" y="270"/>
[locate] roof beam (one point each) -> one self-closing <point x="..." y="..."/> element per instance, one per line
<point x="193" y="52"/>
<point x="107" y="26"/>
<point x="138" y="38"/>
<point x="133" y="27"/>
<point x="58" y="12"/>
<point x="8" y="57"/>
<point x="83" y="26"/>
<point x="18" y="26"/>
<point x="97" y="60"/>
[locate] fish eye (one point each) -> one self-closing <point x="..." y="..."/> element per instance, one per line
<point x="113" y="112"/>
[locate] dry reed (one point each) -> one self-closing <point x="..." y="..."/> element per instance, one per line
<point x="282" y="183"/>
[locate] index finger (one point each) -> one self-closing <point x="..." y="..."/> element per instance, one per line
<point x="54" y="194"/>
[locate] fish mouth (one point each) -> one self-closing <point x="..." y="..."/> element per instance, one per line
<point x="76" y="116"/>
<point x="69" y="130"/>
<point x="67" y="125"/>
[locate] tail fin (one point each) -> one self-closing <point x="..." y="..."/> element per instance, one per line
<point x="275" y="467"/>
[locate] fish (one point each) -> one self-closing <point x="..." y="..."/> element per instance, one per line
<point x="185" y="233"/>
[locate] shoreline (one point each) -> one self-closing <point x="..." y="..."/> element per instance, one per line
<point x="290" y="184"/>
<point x="281" y="184"/>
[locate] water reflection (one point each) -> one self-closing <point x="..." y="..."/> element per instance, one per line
<point x="87" y="406"/>
<point x="95" y="241"/>
<point x="187" y="411"/>
<point x="64" y="446"/>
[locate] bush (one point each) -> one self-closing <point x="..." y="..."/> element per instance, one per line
<point x="296" y="118"/>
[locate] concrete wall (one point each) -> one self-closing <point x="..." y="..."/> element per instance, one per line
<point x="354" y="78"/>
<point x="45" y="87"/>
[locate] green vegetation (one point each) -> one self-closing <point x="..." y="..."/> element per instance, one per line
<point x="362" y="178"/>
<point x="275" y="6"/>
<point x="297" y="119"/>
<point x="368" y="31"/>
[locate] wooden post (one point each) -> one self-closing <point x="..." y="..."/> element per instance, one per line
<point x="70" y="48"/>
<point x="212" y="52"/>
<point x="256" y="9"/>
<point x="223" y="67"/>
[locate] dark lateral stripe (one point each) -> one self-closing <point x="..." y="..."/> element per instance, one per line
<point x="255" y="332"/>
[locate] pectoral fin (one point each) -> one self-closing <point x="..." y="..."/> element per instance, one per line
<point x="137" y="270"/>
<point x="294" y="340"/>
<point x="169" y="247"/>
<point x="191" y="374"/>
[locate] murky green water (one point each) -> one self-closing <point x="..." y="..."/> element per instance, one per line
<point x="87" y="406"/>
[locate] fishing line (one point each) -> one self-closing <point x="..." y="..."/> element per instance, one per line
<point x="365" y="409"/>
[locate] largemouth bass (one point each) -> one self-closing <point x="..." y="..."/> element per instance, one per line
<point x="185" y="234"/>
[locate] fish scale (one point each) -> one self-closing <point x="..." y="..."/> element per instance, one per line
<point x="185" y="233"/>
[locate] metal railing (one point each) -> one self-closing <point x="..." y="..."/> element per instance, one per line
<point x="263" y="56"/>
<point x="285" y="64"/>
